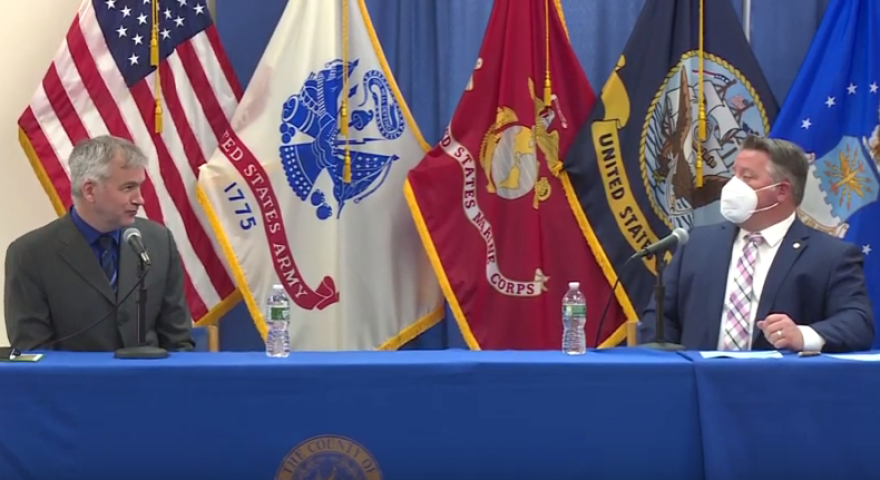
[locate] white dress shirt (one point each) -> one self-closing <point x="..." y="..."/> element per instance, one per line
<point x="773" y="236"/>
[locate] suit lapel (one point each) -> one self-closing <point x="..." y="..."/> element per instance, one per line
<point x="74" y="249"/>
<point x="717" y="283"/>
<point x="793" y="244"/>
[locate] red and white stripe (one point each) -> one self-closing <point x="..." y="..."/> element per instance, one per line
<point x="83" y="95"/>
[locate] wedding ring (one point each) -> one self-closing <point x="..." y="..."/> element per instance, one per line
<point x="779" y="333"/>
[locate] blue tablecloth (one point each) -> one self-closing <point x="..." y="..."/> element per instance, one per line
<point x="392" y="415"/>
<point x="793" y="417"/>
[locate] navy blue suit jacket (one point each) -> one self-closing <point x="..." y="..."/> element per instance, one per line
<point x="820" y="283"/>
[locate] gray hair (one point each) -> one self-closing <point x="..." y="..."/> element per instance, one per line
<point x="90" y="160"/>
<point x="787" y="162"/>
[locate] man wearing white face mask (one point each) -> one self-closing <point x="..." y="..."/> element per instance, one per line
<point x="764" y="280"/>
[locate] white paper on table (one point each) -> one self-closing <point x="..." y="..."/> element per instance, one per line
<point x="860" y="357"/>
<point x="757" y="354"/>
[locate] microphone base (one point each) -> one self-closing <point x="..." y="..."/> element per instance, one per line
<point x="663" y="346"/>
<point x="141" y="352"/>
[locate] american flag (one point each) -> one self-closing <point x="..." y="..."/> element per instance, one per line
<point x="101" y="81"/>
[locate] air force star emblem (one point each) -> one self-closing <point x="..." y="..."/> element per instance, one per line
<point x="311" y="141"/>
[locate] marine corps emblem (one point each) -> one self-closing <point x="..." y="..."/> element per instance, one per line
<point x="670" y="138"/>
<point x="508" y="153"/>
<point x="329" y="457"/>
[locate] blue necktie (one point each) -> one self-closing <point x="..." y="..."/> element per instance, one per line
<point x="108" y="258"/>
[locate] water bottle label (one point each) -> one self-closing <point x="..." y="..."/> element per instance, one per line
<point x="278" y="313"/>
<point x="575" y="310"/>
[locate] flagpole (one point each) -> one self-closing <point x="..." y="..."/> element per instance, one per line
<point x="747" y="19"/>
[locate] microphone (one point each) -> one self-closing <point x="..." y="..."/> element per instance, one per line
<point x="14" y="353"/>
<point x="141" y="349"/>
<point x="133" y="237"/>
<point x="678" y="236"/>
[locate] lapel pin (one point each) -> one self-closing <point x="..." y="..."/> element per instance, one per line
<point x="796" y="245"/>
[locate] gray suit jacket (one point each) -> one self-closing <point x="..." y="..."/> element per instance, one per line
<point x="55" y="287"/>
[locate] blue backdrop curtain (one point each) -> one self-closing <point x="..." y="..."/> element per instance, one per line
<point x="432" y="46"/>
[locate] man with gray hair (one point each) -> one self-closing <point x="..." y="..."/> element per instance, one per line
<point x="763" y="279"/>
<point x="64" y="277"/>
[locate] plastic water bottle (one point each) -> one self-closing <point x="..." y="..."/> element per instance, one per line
<point x="278" y="321"/>
<point x="574" y="317"/>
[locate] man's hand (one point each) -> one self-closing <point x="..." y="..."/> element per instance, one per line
<point x="781" y="331"/>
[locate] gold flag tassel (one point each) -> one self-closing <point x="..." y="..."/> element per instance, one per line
<point x="343" y="111"/>
<point x="154" y="61"/>
<point x="548" y="90"/>
<point x="701" y="133"/>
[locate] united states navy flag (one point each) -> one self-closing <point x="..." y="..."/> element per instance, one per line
<point x="660" y="144"/>
<point x="832" y="112"/>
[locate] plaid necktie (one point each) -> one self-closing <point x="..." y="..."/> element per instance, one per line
<point x="108" y="258"/>
<point x="737" y="308"/>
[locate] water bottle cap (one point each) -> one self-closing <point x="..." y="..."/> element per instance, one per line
<point x="574" y="284"/>
<point x="278" y="287"/>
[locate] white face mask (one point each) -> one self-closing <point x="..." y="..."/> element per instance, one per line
<point x="738" y="201"/>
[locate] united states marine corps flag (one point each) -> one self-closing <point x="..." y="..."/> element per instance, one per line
<point x="488" y="200"/>
<point x="660" y="144"/>
<point x="306" y="187"/>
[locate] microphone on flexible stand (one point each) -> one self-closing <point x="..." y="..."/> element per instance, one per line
<point x="679" y="236"/>
<point x="133" y="238"/>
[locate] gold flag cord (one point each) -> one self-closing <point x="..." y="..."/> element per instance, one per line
<point x="701" y="134"/>
<point x="154" y="61"/>
<point x="343" y="111"/>
<point x="547" y="53"/>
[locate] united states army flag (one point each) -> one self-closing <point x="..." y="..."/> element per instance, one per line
<point x="306" y="187"/>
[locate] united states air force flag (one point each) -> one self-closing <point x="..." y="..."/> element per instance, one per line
<point x="642" y="166"/>
<point x="306" y="188"/>
<point x="832" y="112"/>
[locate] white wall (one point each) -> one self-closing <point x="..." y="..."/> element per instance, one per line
<point x="30" y="33"/>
